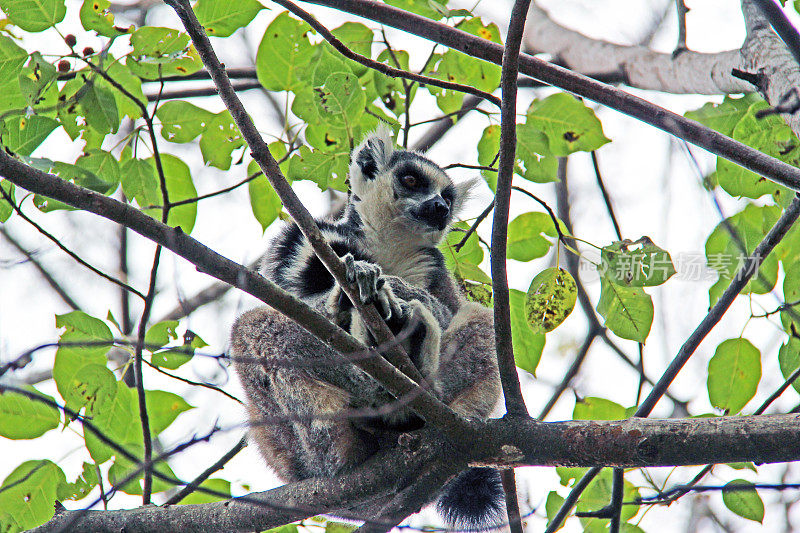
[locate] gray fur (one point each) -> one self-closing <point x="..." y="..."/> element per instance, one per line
<point x="388" y="242"/>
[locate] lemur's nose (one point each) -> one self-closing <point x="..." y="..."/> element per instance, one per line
<point x="435" y="211"/>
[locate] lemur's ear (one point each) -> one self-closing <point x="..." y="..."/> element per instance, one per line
<point x="371" y="155"/>
<point x="464" y="191"/>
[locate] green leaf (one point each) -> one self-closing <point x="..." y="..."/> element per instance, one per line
<point x="140" y="182"/>
<point x="5" y="208"/>
<point x="745" y="503"/>
<point x="34" y="15"/>
<point x="723" y="117"/>
<point x="550" y="299"/>
<point x="789" y="359"/>
<point x="160" y="334"/>
<point x="628" y="310"/>
<point x="118" y="419"/>
<point x="591" y="408"/>
<point x="569" y="125"/>
<point x="637" y="263"/>
<point x="182" y="122"/>
<point x="471" y="253"/>
<point x="221" y="19"/>
<point x="96" y="16"/>
<point x="284" y="51"/>
<point x="535" y="162"/>
<point x="92" y="385"/>
<point x="163" y="408"/>
<point x="24" y="418"/>
<point x="220" y="138"/>
<point x="526" y="236"/>
<point x="122" y="468"/>
<point x="81" y="487"/>
<point x="326" y="169"/>
<point x="357" y="38"/>
<point x="726" y="254"/>
<point x="338" y="527"/>
<point x="128" y="81"/>
<point x="288" y="528"/>
<point x="733" y="374"/>
<point x="179" y="187"/>
<point x="161" y="52"/>
<point x="341" y="96"/>
<point x="528" y="346"/>
<point x="73" y="355"/>
<point x="488" y="147"/>
<point x="216" y="484"/>
<point x="35" y="77"/>
<point x="23" y="135"/>
<point x="419" y="7"/>
<point x="264" y="201"/>
<point x="28" y="494"/>
<point x="770" y="135"/>
<point x="12" y="57"/>
<point x="552" y="505"/>
<point x="390" y="90"/>
<point x="101" y="164"/>
<point x="597" y="495"/>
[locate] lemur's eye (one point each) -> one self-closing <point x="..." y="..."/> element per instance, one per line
<point x="447" y="199"/>
<point x="409" y="181"/>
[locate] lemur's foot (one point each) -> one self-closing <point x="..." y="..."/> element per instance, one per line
<point x="371" y="287"/>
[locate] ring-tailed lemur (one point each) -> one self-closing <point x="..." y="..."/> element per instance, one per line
<point x="400" y="207"/>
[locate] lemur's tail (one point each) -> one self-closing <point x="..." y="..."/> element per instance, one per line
<point x="473" y="500"/>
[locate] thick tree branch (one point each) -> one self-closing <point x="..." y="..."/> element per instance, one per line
<point x="510" y="441"/>
<point x="514" y="403"/>
<point x="640" y="67"/>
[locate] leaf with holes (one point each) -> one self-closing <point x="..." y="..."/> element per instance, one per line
<point x="96" y="16"/>
<point x="182" y="122"/>
<point x="569" y="125"/>
<point x="628" y="310"/>
<point x="283" y="52"/>
<point x="637" y="263"/>
<point x="733" y="375"/>
<point x="221" y="19"/>
<point x="220" y="138"/>
<point x="22" y="135"/>
<point x="550" y="299"/>
<point x="28" y="492"/>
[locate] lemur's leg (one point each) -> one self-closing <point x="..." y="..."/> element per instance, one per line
<point x="299" y="413"/>
<point x="468" y="376"/>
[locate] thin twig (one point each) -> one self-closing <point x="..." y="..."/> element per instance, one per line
<point x="192" y="486"/>
<point x="56" y="286"/>
<point x="681" y="8"/>
<point x="606" y="197"/>
<point x="66" y="250"/>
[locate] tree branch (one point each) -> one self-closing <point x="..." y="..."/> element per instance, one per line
<point x="514" y="403"/>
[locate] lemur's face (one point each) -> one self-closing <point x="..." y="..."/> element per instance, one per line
<point x="403" y="190"/>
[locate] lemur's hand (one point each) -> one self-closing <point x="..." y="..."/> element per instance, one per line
<point x="371" y="287"/>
